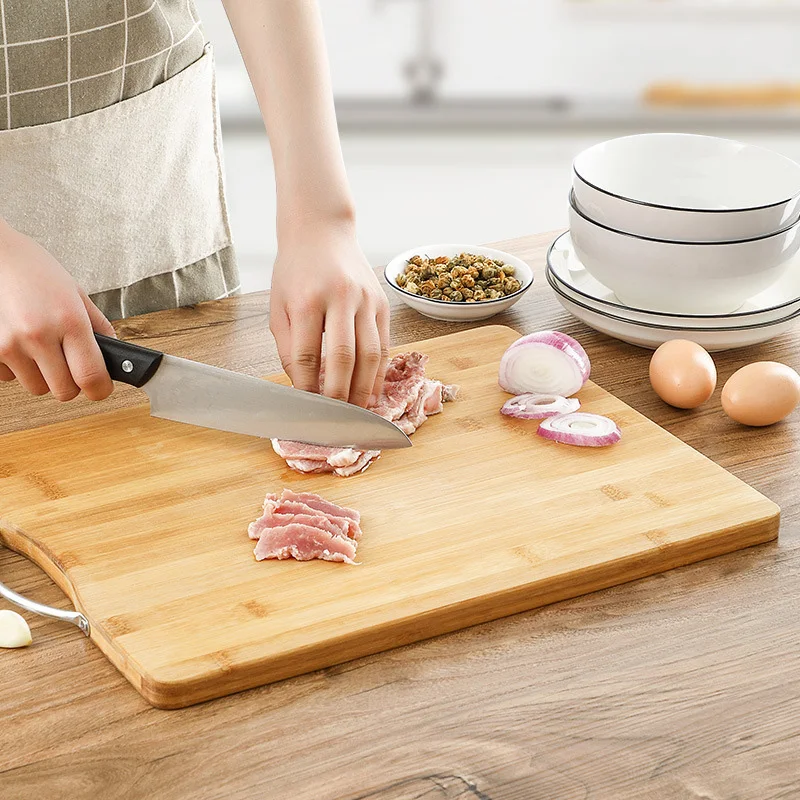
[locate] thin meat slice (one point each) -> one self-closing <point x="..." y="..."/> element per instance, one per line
<point x="308" y="467"/>
<point x="304" y="543"/>
<point x="402" y="383"/>
<point x="366" y="459"/>
<point x="320" y="504"/>
<point x="306" y="454"/>
<point x="336" y="526"/>
<point x="306" y="503"/>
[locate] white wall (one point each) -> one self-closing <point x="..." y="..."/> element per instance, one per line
<point x="522" y="47"/>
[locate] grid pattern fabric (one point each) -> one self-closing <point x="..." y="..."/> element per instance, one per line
<point x="63" y="58"/>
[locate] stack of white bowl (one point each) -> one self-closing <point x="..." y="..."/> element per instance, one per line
<point x="681" y="236"/>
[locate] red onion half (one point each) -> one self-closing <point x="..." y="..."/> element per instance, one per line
<point x="547" y="362"/>
<point x="584" y="430"/>
<point x="539" y="406"/>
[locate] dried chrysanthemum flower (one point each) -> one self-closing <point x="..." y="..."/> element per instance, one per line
<point x="457" y="297"/>
<point x="468" y="281"/>
<point x="412" y="287"/>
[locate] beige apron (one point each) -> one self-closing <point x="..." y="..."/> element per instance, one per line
<point x="129" y="197"/>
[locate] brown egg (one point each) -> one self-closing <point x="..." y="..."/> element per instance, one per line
<point x="762" y="393"/>
<point x="682" y="373"/>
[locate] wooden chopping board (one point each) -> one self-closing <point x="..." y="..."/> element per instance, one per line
<point x="143" y="523"/>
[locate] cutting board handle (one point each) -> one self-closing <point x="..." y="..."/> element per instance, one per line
<point x="74" y="617"/>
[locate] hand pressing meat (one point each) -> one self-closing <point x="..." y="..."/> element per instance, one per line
<point x="305" y="526"/>
<point x="407" y="398"/>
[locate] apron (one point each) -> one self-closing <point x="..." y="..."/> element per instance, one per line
<point x="110" y="149"/>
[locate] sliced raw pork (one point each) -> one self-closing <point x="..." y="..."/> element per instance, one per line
<point x="407" y="399"/>
<point x="305" y="526"/>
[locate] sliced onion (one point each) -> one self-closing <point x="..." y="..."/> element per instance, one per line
<point x="539" y="406"/>
<point x="547" y="362"/>
<point x="584" y="430"/>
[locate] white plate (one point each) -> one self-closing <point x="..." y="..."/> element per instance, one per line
<point x="457" y="312"/>
<point x="651" y="336"/>
<point x="775" y="303"/>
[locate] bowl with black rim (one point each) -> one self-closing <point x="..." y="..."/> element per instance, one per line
<point x="687" y="188"/>
<point x="457" y="311"/>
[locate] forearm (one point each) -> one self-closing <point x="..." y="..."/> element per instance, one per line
<point x="284" y="51"/>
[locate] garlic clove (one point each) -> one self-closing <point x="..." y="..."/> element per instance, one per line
<point x="14" y="631"/>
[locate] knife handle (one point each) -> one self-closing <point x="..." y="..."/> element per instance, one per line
<point x="128" y="363"/>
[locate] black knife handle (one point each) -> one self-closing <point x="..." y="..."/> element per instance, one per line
<point x="128" y="363"/>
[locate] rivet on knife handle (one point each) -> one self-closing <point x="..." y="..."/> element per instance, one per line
<point x="128" y="363"/>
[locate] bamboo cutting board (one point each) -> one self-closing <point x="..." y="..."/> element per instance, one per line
<point x="143" y="523"/>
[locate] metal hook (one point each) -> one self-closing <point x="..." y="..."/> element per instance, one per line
<point x="73" y="617"/>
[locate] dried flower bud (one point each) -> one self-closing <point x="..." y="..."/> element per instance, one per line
<point x="456" y="297"/>
<point x="468" y="281"/>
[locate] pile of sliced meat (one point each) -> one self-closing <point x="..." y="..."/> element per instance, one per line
<point x="408" y="398"/>
<point x="305" y="526"/>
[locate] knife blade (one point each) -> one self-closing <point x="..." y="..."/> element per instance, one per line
<point x="210" y="397"/>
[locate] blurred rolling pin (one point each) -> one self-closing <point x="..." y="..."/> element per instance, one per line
<point x="722" y="96"/>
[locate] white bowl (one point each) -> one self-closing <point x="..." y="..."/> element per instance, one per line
<point x="680" y="277"/>
<point x="651" y="336"/>
<point x="564" y="268"/>
<point x="458" y="312"/>
<point x="682" y="187"/>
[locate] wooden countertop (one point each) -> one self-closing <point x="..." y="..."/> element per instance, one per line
<point x="683" y="685"/>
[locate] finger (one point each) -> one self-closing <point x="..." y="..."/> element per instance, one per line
<point x="5" y="373"/>
<point x="368" y="356"/>
<point x="86" y="364"/>
<point x="27" y="373"/>
<point x="99" y="322"/>
<point x="279" y="325"/>
<point x="54" y="369"/>
<point x="305" y="350"/>
<point x="382" y="320"/>
<point x="340" y="352"/>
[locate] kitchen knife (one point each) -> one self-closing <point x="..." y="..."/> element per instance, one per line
<point x="199" y="394"/>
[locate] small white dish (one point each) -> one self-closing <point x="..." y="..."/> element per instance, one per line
<point x="651" y="336"/>
<point x="688" y="188"/>
<point x="777" y="302"/>
<point x="457" y="312"/>
<point x="679" y="277"/>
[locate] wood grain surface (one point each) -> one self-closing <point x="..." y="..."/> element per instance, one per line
<point x="479" y="520"/>
<point x="683" y="685"/>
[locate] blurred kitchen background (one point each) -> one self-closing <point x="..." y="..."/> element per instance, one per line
<point x="460" y="118"/>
